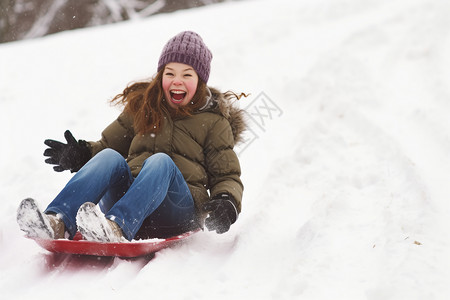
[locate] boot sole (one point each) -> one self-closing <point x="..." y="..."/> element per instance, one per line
<point x="93" y="225"/>
<point x="31" y="220"/>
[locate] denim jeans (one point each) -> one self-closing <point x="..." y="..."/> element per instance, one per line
<point x="158" y="195"/>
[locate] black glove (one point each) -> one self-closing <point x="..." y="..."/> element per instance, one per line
<point x="71" y="156"/>
<point x="222" y="213"/>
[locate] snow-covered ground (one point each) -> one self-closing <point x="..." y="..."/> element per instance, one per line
<point x="347" y="192"/>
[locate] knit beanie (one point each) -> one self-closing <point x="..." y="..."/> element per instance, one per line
<point x="187" y="48"/>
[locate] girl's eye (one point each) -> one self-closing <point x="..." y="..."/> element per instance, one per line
<point x="187" y="75"/>
<point x="169" y="74"/>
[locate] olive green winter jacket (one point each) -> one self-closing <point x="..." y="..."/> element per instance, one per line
<point x="201" y="146"/>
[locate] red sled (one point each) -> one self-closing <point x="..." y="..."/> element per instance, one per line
<point x="125" y="249"/>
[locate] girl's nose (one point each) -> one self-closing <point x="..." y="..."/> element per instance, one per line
<point x="177" y="81"/>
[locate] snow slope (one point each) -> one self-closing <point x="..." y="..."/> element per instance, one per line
<point x="345" y="168"/>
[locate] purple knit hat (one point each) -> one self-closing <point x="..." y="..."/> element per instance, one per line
<point x="187" y="48"/>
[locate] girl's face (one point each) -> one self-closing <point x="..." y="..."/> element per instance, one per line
<point x="179" y="83"/>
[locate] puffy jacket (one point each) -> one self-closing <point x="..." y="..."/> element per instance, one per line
<point x="201" y="146"/>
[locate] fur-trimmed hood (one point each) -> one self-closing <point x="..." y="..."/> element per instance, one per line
<point x="223" y="104"/>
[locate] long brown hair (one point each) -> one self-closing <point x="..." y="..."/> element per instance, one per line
<point x="145" y="102"/>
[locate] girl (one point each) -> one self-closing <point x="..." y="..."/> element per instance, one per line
<point x="150" y="173"/>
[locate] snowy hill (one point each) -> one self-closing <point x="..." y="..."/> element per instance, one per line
<point x="345" y="168"/>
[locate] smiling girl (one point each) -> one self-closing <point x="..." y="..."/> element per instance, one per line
<point x="166" y="165"/>
<point x="179" y="84"/>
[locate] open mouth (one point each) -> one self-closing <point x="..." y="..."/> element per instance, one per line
<point x="177" y="96"/>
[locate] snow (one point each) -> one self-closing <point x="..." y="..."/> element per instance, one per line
<point x="345" y="168"/>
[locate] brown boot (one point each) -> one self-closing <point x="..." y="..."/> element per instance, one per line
<point x="94" y="226"/>
<point x="58" y="226"/>
<point x="117" y="231"/>
<point x="37" y="224"/>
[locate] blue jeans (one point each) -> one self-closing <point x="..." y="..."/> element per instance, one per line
<point x="158" y="196"/>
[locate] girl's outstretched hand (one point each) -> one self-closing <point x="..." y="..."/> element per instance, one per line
<point x="222" y="213"/>
<point x="71" y="156"/>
